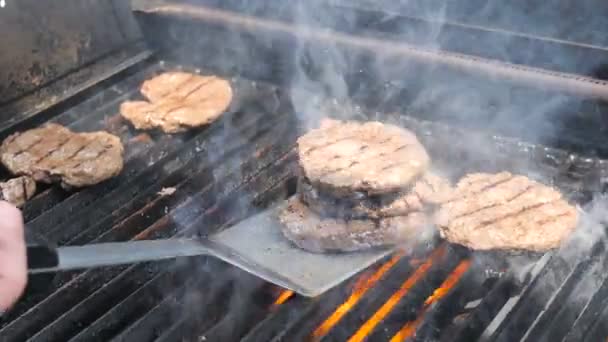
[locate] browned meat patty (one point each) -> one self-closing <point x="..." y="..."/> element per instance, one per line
<point x="505" y="211"/>
<point x="314" y="233"/>
<point x="178" y="101"/>
<point x="53" y="153"/>
<point x="17" y="190"/>
<point x="427" y="191"/>
<point x="342" y="157"/>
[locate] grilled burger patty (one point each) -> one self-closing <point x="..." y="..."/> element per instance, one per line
<point x="17" y="190"/>
<point x="53" y="153"/>
<point x="371" y="157"/>
<point x="429" y="189"/>
<point x="178" y="101"/>
<point x="315" y="233"/>
<point x="505" y="211"/>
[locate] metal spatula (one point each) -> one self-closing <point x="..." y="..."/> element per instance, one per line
<point x="255" y="245"/>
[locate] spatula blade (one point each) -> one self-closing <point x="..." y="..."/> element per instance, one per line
<point x="262" y="250"/>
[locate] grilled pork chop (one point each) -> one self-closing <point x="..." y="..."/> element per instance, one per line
<point x="53" y="153"/>
<point x="178" y="101"/>
<point x="17" y="190"/>
<point x="309" y="231"/>
<point x="428" y="190"/>
<point x="504" y="211"/>
<point x="371" y="157"/>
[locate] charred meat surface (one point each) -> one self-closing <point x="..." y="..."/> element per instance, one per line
<point x="178" y="101"/>
<point x="371" y="157"/>
<point x="17" y="190"/>
<point x="53" y="153"/>
<point x="312" y="232"/>
<point x="507" y="212"/>
<point x="427" y="191"/>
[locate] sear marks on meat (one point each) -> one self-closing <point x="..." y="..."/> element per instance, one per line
<point x="427" y="191"/>
<point x="371" y="157"/>
<point x="178" y="101"/>
<point x="314" y="233"/>
<point x="17" y="190"/>
<point x="167" y="84"/>
<point x="505" y="211"/>
<point x="53" y="153"/>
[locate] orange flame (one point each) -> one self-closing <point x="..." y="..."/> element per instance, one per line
<point x="283" y="297"/>
<point x="363" y="284"/>
<point x="384" y="310"/>
<point x="410" y="327"/>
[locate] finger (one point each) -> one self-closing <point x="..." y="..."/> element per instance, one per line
<point x="13" y="260"/>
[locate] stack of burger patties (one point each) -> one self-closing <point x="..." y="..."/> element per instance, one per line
<point x="360" y="185"/>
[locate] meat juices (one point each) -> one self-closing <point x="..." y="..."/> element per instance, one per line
<point x="505" y="211"/>
<point x="53" y="153"/>
<point x="361" y="185"/>
<point x="17" y="190"/>
<point x="178" y="101"/>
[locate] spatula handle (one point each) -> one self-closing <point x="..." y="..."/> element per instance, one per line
<point x="121" y="253"/>
<point x="40" y="252"/>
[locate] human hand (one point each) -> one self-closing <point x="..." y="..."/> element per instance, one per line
<point x="13" y="260"/>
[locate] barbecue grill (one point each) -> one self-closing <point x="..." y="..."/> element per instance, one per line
<point x="74" y="62"/>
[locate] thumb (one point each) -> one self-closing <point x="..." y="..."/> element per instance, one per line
<point x="13" y="260"/>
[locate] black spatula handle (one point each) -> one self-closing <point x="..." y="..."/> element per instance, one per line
<point x="40" y="252"/>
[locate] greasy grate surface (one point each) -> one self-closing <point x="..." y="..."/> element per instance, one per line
<point x="436" y="292"/>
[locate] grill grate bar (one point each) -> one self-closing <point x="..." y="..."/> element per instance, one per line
<point x="105" y="298"/>
<point x="556" y="319"/>
<point x="138" y="302"/>
<point x="407" y="307"/>
<point x="247" y="303"/>
<point x="599" y="330"/>
<point x="536" y="296"/>
<point x="449" y="311"/>
<point x="158" y="320"/>
<point x="590" y="314"/>
<point x="484" y="313"/>
<point x="277" y="319"/>
<point x="372" y="299"/>
<point x="176" y="331"/>
<point x="55" y="304"/>
<point x="211" y="298"/>
<point x="315" y="311"/>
